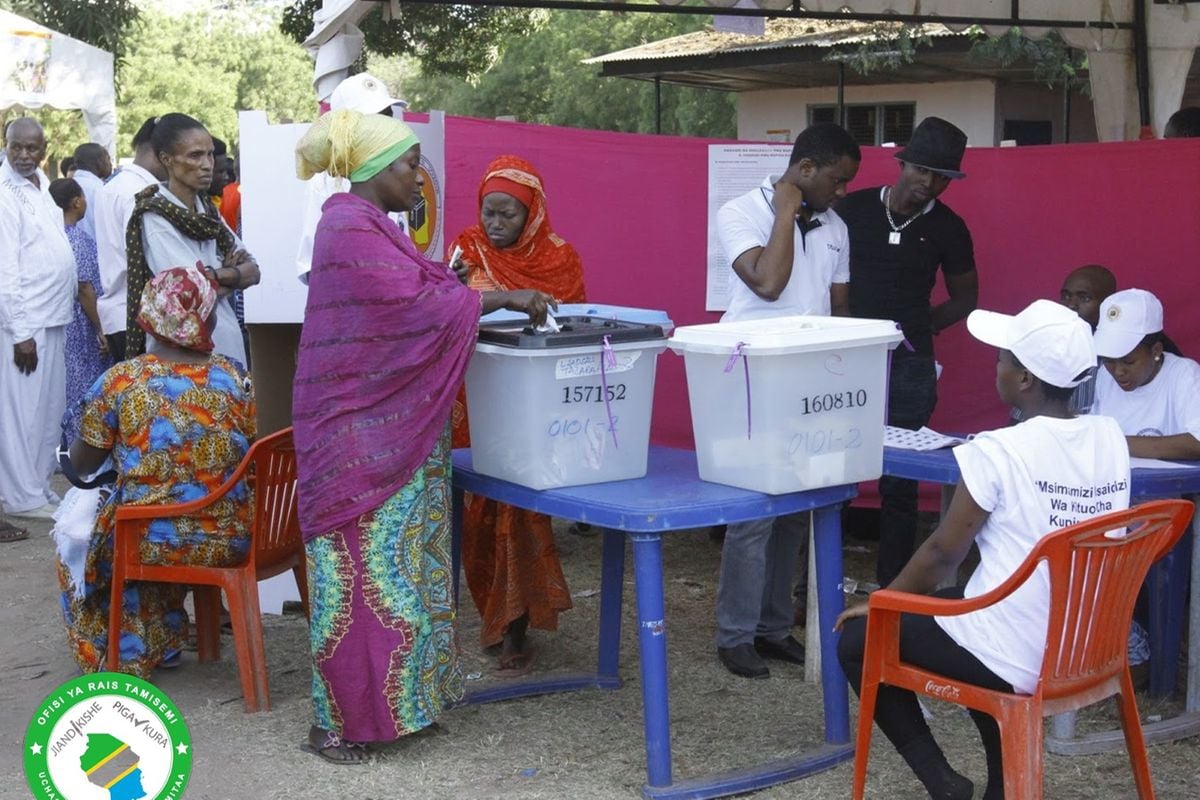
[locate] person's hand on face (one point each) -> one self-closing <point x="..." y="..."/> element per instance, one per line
<point x="25" y="356"/>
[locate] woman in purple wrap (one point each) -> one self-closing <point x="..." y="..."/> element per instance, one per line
<point x="386" y="339"/>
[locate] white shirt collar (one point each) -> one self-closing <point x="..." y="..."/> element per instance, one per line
<point x="768" y="191"/>
<point x="7" y="172"/>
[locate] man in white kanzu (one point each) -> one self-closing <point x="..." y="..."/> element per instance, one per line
<point x="37" y="302"/>
<point x="365" y="94"/>
<point x="791" y="255"/>
<point x="1018" y="484"/>
<point x="111" y="212"/>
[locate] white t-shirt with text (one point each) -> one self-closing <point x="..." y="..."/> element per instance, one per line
<point x="1032" y="478"/>
<point x="820" y="258"/>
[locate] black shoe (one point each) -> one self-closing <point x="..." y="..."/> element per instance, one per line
<point x="743" y="661"/>
<point x="785" y="649"/>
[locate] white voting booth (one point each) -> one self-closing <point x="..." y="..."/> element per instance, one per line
<point x="274" y="205"/>
<point x="41" y="68"/>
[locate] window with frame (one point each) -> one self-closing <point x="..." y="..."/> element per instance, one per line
<point x="871" y="123"/>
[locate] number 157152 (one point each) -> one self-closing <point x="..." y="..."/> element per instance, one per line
<point x="593" y="394"/>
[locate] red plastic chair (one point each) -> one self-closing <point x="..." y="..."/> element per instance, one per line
<point x="275" y="547"/>
<point x="1094" y="582"/>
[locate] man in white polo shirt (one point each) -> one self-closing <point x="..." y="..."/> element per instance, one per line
<point x="111" y="213"/>
<point x="791" y="255"/>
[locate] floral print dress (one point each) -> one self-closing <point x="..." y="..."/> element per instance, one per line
<point x="176" y="431"/>
<point x="84" y="362"/>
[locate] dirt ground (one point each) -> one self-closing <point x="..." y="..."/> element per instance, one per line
<point x="585" y="745"/>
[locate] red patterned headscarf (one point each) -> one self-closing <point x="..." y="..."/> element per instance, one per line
<point x="539" y="259"/>
<point x="176" y="305"/>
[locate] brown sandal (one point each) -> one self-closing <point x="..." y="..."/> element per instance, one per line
<point x="11" y="533"/>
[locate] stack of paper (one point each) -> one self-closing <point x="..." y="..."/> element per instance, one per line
<point x="924" y="439"/>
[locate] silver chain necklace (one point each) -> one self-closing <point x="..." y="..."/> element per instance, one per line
<point x="894" y="236"/>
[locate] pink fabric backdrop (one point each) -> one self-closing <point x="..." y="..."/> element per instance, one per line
<point x="635" y="207"/>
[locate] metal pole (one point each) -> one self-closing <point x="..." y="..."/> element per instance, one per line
<point x="657" y="8"/>
<point x="657" y="104"/>
<point x="1067" y="114"/>
<point x="841" y="89"/>
<point x="1141" y="56"/>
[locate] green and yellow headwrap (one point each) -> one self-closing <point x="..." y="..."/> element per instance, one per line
<point x="351" y="145"/>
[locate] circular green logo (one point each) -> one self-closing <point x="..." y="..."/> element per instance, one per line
<point x="107" y="736"/>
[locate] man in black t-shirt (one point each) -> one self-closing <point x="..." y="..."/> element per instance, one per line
<point x="900" y="236"/>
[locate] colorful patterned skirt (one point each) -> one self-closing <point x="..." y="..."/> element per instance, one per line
<point x="154" y="623"/>
<point x="385" y="655"/>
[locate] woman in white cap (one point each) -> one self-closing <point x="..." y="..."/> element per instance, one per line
<point x="1015" y="486"/>
<point x="1151" y="391"/>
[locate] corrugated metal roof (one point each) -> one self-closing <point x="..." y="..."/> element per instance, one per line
<point x="780" y="34"/>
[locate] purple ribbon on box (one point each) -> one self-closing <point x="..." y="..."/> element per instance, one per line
<point x="608" y="360"/>
<point x="733" y="357"/>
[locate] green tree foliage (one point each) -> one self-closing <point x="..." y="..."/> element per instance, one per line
<point x="539" y="78"/>
<point x="208" y="64"/>
<point x="211" y="65"/>
<point x="446" y="40"/>
<point x="893" y="45"/>
<point x="1054" y="61"/>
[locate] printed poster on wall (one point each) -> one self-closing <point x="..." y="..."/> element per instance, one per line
<point x="733" y="170"/>
<point x="274" y="206"/>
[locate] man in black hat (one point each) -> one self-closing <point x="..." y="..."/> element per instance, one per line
<point x="900" y="236"/>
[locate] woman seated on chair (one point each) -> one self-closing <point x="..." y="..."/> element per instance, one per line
<point x="1152" y="392"/>
<point x="508" y="553"/>
<point x="1016" y="486"/>
<point x="175" y="424"/>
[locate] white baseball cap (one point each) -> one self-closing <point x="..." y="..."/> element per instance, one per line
<point x="1050" y="340"/>
<point x="1126" y="318"/>
<point x="363" y="93"/>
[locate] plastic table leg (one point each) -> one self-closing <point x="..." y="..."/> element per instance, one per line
<point x="1192" y="703"/>
<point x="612" y="584"/>
<point x="835" y="692"/>
<point x="652" y="641"/>
<point x="1167" y="591"/>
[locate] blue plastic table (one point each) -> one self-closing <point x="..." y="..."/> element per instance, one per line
<point x="1167" y="586"/>
<point x="672" y="497"/>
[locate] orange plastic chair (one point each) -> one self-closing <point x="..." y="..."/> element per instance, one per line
<point x="275" y="546"/>
<point x="1094" y="582"/>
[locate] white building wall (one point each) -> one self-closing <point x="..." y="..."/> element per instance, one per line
<point x="971" y="105"/>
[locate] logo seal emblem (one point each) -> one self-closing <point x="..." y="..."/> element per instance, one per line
<point x="108" y="736"/>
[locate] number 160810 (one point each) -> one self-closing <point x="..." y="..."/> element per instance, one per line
<point x="833" y="401"/>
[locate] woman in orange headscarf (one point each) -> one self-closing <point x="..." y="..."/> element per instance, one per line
<point x="511" y="564"/>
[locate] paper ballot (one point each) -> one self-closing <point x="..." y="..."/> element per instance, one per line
<point x="924" y="439"/>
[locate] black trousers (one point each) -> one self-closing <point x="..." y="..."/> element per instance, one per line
<point x="912" y="395"/>
<point x="116" y="346"/>
<point x="923" y="643"/>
